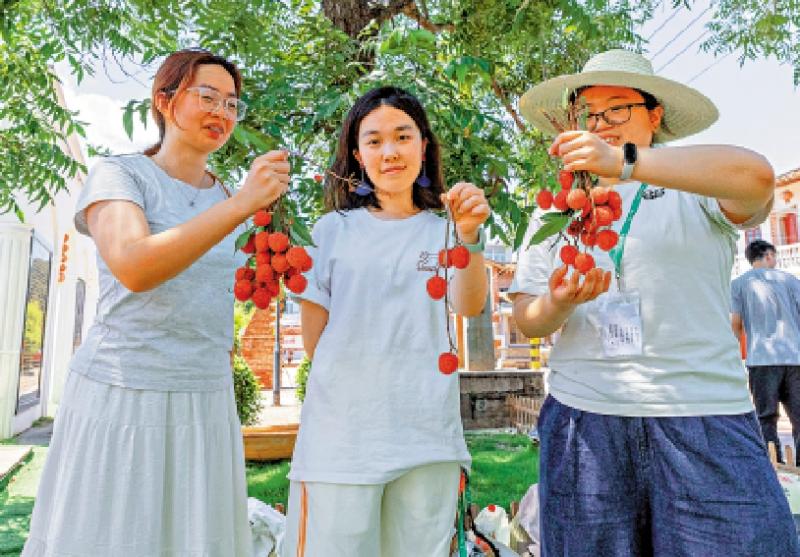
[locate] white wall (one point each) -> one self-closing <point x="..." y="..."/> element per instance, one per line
<point x="49" y="225"/>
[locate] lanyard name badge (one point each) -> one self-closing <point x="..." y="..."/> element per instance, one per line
<point x="618" y="314"/>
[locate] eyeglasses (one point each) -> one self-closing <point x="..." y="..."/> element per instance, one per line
<point x="211" y="100"/>
<point x="613" y="116"/>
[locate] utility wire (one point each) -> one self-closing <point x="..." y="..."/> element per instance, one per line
<point x="717" y="61"/>
<point x="681" y="32"/>
<point x="671" y="60"/>
<point x="660" y="27"/>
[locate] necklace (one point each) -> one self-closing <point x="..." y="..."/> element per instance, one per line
<point x="197" y="188"/>
<point x="181" y="183"/>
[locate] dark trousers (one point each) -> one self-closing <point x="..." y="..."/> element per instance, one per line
<point x="771" y="385"/>
<point x="698" y="486"/>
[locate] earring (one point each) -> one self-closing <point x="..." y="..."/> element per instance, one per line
<point x="363" y="188"/>
<point x="422" y="180"/>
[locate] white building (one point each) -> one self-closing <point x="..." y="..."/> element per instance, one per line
<point x="48" y="293"/>
<point x="780" y="229"/>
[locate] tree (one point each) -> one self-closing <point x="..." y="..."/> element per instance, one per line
<point x="304" y="63"/>
<point x="34" y="327"/>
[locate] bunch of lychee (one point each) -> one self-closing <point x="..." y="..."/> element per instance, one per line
<point x="456" y="257"/>
<point x="272" y="258"/>
<point x="593" y="211"/>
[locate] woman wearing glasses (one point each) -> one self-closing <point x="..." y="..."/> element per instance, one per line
<point x="146" y="456"/>
<point x="649" y="442"/>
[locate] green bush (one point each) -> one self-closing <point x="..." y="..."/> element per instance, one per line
<point x="302" y="378"/>
<point x="247" y="391"/>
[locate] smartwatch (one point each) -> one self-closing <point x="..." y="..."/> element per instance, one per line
<point x="629" y="155"/>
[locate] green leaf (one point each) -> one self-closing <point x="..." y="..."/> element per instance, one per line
<point x="300" y="233"/>
<point x="241" y="135"/>
<point x="243" y="238"/>
<point x="522" y="228"/>
<point x="127" y="119"/>
<point x="553" y="224"/>
<point x="143" y="109"/>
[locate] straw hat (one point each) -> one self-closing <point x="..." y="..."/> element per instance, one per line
<point x="686" y="110"/>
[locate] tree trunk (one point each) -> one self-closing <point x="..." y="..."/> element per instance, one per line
<point x="480" y="338"/>
<point x="352" y="16"/>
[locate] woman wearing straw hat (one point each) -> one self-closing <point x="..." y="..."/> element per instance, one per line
<point x="650" y="445"/>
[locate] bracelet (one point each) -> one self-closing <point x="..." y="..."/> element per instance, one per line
<point x="479" y="246"/>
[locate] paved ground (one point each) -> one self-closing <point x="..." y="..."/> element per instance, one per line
<point x="287" y="413"/>
<point x="38" y="435"/>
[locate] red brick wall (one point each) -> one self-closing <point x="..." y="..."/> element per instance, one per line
<point x="257" y="343"/>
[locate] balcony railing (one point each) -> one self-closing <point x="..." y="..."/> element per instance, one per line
<point x="788" y="260"/>
<point x="789" y="257"/>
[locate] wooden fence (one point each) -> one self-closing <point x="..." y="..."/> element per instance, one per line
<point x="788" y="457"/>
<point x="524" y="412"/>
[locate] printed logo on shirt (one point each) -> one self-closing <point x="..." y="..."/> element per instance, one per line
<point x="654" y="193"/>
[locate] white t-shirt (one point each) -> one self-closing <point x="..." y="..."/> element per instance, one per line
<point x="376" y="404"/>
<point x="678" y="255"/>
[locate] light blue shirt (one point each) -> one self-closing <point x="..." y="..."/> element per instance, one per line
<point x="176" y="336"/>
<point x="768" y="300"/>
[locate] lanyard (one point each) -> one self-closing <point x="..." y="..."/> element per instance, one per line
<point x="616" y="253"/>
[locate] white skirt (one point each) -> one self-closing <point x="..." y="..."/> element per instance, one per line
<point x="135" y="473"/>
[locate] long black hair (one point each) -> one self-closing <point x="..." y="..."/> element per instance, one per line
<point x="337" y="190"/>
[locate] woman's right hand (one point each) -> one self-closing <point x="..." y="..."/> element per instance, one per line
<point x="267" y="180"/>
<point x="569" y="292"/>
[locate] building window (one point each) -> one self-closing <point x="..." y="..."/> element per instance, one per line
<point x="80" y="302"/>
<point x="33" y="340"/>
<point x="752" y="234"/>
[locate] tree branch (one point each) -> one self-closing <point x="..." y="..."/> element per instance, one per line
<point x="509" y="108"/>
<point x="412" y="11"/>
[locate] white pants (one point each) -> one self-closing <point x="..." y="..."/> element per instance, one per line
<point x="412" y="515"/>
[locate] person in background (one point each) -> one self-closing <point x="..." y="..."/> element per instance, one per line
<point x="765" y="304"/>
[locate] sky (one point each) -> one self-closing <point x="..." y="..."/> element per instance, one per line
<point x="758" y="104"/>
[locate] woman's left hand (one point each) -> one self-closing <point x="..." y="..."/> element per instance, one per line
<point x="582" y="150"/>
<point x="469" y="208"/>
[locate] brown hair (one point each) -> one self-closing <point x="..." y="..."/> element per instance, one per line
<point x="175" y="74"/>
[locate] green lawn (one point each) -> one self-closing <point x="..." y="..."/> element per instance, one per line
<point x="503" y="466"/>
<point x="16" y="503"/>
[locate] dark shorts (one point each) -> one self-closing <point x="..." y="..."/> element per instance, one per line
<point x="690" y="487"/>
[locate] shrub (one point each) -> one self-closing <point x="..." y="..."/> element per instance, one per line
<point x="302" y="378"/>
<point x="247" y="391"/>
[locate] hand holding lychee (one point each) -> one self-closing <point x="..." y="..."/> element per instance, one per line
<point x="592" y="211"/>
<point x="267" y="180"/>
<point x="578" y="288"/>
<point x="469" y="208"/>
<point x="272" y="259"/>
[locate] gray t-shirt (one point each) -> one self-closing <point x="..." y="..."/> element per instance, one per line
<point x="768" y="300"/>
<point x="177" y="336"/>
